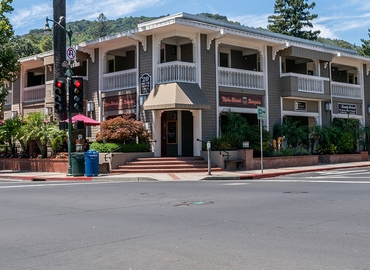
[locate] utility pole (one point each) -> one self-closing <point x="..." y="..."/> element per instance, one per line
<point x="59" y="39"/>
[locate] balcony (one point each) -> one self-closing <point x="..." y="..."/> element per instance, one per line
<point x="300" y="85"/>
<point x="240" y="78"/>
<point x="34" y="93"/>
<point x="120" y="80"/>
<point x="176" y="72"/>
<point x="346" y="90"/>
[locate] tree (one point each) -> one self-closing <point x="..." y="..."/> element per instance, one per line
<point x="9" y="65"/>
<point x="10" y="131"/>
<point x="46" y="43"/>
<point x="365" y="47"/>
<point x="292" y="17"/>
<point x="101" y="27"/>
<point x="39" y="131"/>
<point x="122" y="129"/>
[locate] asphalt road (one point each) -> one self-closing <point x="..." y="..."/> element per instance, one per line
<point x="308" y="221"/>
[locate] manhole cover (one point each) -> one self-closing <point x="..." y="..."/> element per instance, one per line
<point x="193" y="203"/>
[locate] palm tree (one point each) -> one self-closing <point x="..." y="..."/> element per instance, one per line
<point x="39" y="131"/>
<point x="10" y="131"/>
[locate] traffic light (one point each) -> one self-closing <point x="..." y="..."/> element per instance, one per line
<point x="76" y="91"/>
<point x="60" y="96"/>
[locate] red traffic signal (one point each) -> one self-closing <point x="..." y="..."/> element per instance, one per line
<point x="60" y="96"/>
<point x="76" y="98"/>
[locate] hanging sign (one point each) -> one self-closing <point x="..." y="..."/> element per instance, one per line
<point x="145" y="84"/>
<point x="71" y="53"/>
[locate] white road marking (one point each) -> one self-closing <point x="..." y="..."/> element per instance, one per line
<point x="54" y="184"/>
<point x="234" y="184"/>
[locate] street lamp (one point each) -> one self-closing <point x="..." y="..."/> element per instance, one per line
<point x="69" y="74"/>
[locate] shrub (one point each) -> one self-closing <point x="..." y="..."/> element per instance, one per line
<point x="299" y="150"/>
<point x="326" y="150"/>
<point x="122" y="129"/>
<point x="115" y="147"/>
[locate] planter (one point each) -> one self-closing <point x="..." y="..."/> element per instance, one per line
<point x="108" y="161"/>
<point x="35" y="164"/>
<point x="286" y="161"/>
<point x="219" y="157"/>
<point x="344" y="158"/>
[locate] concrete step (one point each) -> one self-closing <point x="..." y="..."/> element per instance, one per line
<point x="165" y="164"/>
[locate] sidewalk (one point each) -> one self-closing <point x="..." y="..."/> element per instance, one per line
<point x="223" y="175"/>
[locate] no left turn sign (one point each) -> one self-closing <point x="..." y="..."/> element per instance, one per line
<point x="71" y="53"/>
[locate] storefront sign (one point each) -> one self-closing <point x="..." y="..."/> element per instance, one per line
<point x="122" y="102"/>
<point x="300" y="106"/>
<point x="145" y="84"/>
<point x="240" y="100"/>
<point x="347" y="108"/>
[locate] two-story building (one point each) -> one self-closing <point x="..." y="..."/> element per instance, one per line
<point x="181" y="73"/>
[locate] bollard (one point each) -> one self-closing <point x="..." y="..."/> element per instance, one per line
<point x="209" y="157"/>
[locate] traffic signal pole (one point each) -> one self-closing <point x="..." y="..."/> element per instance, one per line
<point x="69" y="172"/>
<point x="69" y="75"/>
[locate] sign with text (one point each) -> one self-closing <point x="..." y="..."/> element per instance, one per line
<point x="300" y="106"/>
<point x="344" y="108"/>
<point x="122" y="102"/>
<point x="145" y="84"/>
<point x="261" y="113"/>
<point x="240" y="100"/>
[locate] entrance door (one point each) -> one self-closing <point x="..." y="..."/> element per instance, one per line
<point x="177" y="132"/>
<point x="187" y="134"/>
<point x="169" y="134"/>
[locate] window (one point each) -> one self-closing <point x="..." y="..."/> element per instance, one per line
<point x="224" y="59"/>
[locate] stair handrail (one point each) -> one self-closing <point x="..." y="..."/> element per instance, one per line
<point x="225" y="155"/>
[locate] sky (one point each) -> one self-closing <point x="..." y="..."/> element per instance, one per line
<point x="345" y="19"/>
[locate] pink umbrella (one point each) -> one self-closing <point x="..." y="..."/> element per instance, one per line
<point x="87" y="120"/>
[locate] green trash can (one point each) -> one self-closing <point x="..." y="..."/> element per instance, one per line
<point x="78" y="163"/>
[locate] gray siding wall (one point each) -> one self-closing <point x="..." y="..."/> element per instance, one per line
<point x="274" y="89"/>
<point x="208" y="77"/>
<point x="146" y="66"/>
<point x="326" y="116"/>
<point x="91" y="90"/>
<point x="366" y="95"/>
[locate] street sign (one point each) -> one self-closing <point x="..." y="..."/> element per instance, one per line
<point x="261" y="113"/>
<point x="71" y="53"/>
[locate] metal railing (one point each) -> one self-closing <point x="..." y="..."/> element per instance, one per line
<point x="34" y="93"/>
<point x="120" y="80"/>
<point x="176" y="71"/>
<point x="240" y="78"/>
<point x="308" y="83"/>
<point x="346" y="90"/>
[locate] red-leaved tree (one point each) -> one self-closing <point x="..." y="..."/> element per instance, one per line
<point x="122" y="129"/>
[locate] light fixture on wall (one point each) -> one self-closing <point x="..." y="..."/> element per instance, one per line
<point x="48" y="110"/>
<point x="90" y="106"/>
<point x="368" y="109"/>
<point x="328" y="106"/>
<point x="245" y="144"/>
<point x="14" y="114"/>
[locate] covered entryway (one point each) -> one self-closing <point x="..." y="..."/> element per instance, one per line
<point x="177" y="110"/>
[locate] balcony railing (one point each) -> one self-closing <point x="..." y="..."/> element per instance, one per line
<point x="308" y="83"/>
<point x="346" y="90"/>
<point x="34" y="93"/>
<point x="176" y="71"/>
<point x="120" y="80"/>
<point x="240" y="78"/>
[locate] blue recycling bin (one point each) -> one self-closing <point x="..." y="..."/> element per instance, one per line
<point x="91" y="163"/>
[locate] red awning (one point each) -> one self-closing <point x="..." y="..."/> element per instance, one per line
<point x="87" y="120"/>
